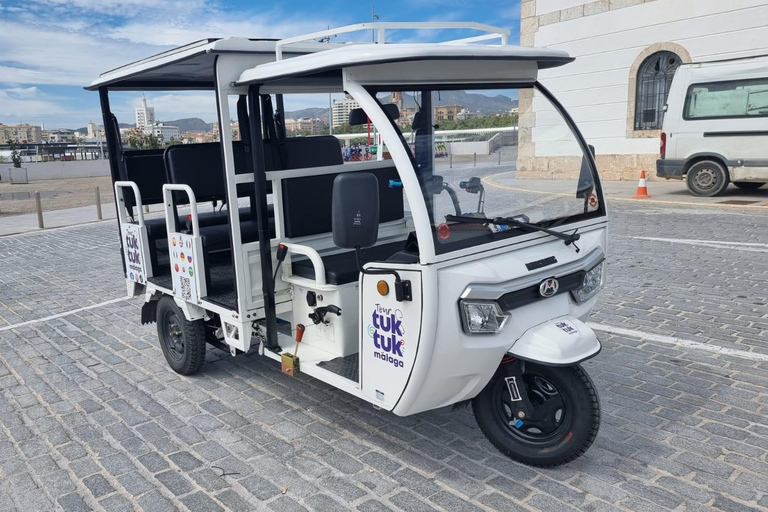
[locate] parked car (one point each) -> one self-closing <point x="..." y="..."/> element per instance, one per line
<point x="715" y="131"/>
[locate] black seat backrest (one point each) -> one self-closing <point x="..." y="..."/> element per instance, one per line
<point x="147" y="170"/>
<point x="201" y="166"/>
<point x="307" y="202"/>
<point x="316" y="151"/>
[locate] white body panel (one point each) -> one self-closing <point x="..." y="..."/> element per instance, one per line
<point x="741" y="143"/>
<point x="390" y="334"/>
<point x="562" y="341"/>
<point x="466" y="362"/>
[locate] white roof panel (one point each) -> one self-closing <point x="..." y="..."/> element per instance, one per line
<point x="355" y="55"/>
<point x="190" y="66"/>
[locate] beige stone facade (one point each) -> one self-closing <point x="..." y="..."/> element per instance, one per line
<point x="612" y="166"/>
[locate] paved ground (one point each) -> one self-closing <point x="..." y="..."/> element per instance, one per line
<point x="56" y="195"/>
<point x="92" y="418"/>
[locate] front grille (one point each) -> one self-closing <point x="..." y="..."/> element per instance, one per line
<point x="522" y="297"/>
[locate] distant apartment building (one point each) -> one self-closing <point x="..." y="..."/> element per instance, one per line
<point x="24" y="133"/>
<point x="62" y="135"/>
<point x="163" y="132"/>
<point x="447" y="112"/>
<point x="145" y="115"/>
<point x="341" y="109"/>
<point x="627" y="52"/>
<point x="304" y="125"/>
<point x="466" y="114"/>
<point x="94" y="131"/>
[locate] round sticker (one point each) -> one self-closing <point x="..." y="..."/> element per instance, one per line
<point x="183" y="257"/>
<point x="444" y="231"/>
<point x="191" y="273"/>
<point x="189" y="258"/>
<point x="173" y="241"/>
<point x="593" y="200"/>
<point x="176" y="267"/>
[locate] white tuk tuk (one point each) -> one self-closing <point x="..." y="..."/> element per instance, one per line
<point x="415" y="279"/>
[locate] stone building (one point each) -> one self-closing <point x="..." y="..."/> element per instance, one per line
<point x="626" y="53"/>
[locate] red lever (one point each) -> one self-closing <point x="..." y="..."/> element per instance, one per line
<point x="299" y="332"/>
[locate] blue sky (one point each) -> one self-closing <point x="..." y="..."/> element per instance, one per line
<point x="50" y="49"/>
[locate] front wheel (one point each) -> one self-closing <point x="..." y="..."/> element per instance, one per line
<point x="562" y="425"/>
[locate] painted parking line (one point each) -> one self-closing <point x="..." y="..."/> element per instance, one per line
<point x="66" y="313"/>
<point x="679" y="342"/>
<point x="491" y="181"/>
<point x="717" y="244"/>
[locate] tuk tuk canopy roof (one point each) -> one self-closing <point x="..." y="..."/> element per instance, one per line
<point x="413" y="63"/>
<point x="190" y="66"/>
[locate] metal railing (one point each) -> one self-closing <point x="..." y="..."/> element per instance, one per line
<point x="380" y="28"/>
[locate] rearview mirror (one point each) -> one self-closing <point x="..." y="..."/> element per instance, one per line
<point x="355" y="211"/>
<point x="433" y="185"/>
<point x="586" y="180"/>
<point x="357" y="116"/>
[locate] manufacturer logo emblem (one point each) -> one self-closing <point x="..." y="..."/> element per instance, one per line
<point x="549" y="287"/>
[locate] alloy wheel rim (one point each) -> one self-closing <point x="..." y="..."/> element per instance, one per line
<point x="705" y="178"/>
<point x="549" y="420"/>
<point x="174" y="337"/>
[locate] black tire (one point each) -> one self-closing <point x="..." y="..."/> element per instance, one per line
<point x="541" y="441"/>
<point x="748" y="185"/>
<point x="707" y="178"/>
<point x="182" y="341"/>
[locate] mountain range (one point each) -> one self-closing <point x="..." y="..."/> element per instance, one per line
<point x="481" y="103"/>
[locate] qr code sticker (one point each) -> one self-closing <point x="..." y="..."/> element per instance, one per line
<point x="186" y="289"/>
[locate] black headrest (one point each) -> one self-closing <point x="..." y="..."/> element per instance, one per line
<point x="358" y="116"/>
<point x="419" y="121"/>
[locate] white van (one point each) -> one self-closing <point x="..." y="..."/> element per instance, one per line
<point x="715" y="130"/>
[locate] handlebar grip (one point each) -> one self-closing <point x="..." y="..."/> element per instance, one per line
<point x="300" y="332"/>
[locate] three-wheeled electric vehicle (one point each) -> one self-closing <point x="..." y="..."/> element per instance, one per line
<point x="452" y="267"/>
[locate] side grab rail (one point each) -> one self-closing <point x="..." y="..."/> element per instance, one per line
<point x="170" y="210"/>
<point x="313" y="256"/>
<point x="121" y="212"/>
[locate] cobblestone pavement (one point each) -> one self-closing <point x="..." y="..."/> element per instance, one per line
<point x="91" y="417"/>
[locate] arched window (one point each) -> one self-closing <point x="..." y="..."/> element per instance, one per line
<point x="653" y="80"/>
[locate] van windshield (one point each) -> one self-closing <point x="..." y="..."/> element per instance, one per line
<point x="493" y="153"/>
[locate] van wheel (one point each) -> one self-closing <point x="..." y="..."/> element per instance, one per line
<point x="182" y="341"/>
<point x="748" y="185"/>
<point x="562" y="426"/>
<point x="707" y="178"/>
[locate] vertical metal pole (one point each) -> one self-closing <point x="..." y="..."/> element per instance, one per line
<point x="98" y="204"/>
<point x="450" y="160"/>
<point x="39" y="208"/>
<point x="499" y="155"/>
<point x="330" y="114"/>
<point x="475" y="159"/>
<point x="146" y="208"/>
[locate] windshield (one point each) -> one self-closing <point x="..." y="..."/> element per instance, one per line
<point x="495" y="154"/>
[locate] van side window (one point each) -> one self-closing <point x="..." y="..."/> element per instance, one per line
<point x="732" y="99"/>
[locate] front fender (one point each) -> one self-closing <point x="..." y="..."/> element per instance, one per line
<point x="560" y="342"/>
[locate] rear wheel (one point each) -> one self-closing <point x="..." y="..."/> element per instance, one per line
<point x="182" y="341"/>
<point x="748" y="185"/>
<point x="562" y="425"/>
<point x="707" y="178"/>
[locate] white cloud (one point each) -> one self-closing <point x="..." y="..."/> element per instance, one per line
<point x="27" y="105"/>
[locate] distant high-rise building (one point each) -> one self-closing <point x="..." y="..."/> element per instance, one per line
<point x="145" y="116"/>
<point x="341" y="110"/>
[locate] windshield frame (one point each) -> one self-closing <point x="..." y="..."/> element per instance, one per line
<point x="502" y="238"/>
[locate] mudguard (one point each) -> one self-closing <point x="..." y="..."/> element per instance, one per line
<point x="559" y="342"/>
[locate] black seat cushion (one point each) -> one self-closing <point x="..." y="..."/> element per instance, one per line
<point x="156" y="227"/>
<point x="341" y="268"/>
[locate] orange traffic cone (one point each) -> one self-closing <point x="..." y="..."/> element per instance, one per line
<point x="642" y="188"/>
